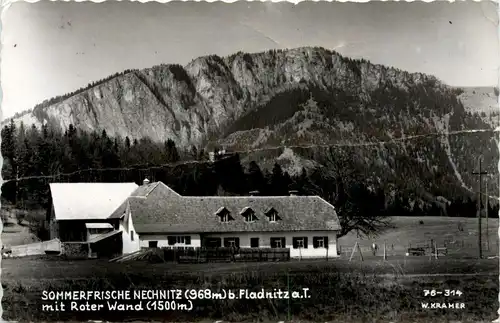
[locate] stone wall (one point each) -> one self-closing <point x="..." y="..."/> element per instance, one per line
<point x="75" y="250"/>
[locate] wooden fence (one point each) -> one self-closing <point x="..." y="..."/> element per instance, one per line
<point x="455" y="248"/>
<point x="201" y="255"/>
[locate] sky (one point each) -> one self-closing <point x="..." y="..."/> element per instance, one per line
<point x="51" y="48"/>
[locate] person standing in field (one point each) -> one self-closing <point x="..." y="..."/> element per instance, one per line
<point x="374" y="248"/>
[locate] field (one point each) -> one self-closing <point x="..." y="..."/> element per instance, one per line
<point x="341" y="291"/>
<point x="409" y="232"/>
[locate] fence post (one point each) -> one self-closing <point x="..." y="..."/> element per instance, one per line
<point x="385" y="255"/>
<point x="288" y="286"/>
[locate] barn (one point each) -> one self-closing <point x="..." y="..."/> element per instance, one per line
<point x="79" y="215"/>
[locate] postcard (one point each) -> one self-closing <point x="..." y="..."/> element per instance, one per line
<point x="250" y="161"/>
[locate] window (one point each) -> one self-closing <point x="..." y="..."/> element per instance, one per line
<point x="272" y="215"/>
<point x="249" y="215"/>
<point x="232" y="242"/>
<point x="213" y="242"/>
<point x="300" y="243"/>
<point x="278" y="242"/>
<point x="254" y="242"/>
<point x="172" y="240"/>
<point x="131" y="235"/>
<point x="320" y="242"/>
<point x="224" y="215"/>
<point x="153" y="244"/>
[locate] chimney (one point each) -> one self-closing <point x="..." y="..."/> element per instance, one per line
<point x="254" y="193"/>
<point x="145" y="181"/>
<point x="293" y="193"/>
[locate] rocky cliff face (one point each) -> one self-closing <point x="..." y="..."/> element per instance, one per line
<point x="391" y="122"/>
<point x="169" y="101"/>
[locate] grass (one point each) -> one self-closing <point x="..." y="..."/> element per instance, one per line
<point x="408" y="231"/>
<point x="340" y="290"/>
<point x="13" y="233"/>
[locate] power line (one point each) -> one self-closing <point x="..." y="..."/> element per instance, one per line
<point x="362" y="144"/>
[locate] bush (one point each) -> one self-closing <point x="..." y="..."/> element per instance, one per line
<point x="20" y="216"/>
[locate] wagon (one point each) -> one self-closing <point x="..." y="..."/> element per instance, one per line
<point x="416" y="251"/>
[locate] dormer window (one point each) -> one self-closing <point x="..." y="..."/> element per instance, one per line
<point x="224" y="215"/>
<point x="272" y="215"/>
<point x="249" y="215"/>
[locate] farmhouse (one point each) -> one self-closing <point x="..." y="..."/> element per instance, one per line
<point x="154" y="215"/>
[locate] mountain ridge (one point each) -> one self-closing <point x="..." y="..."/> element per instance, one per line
<point x="307" y="96"/>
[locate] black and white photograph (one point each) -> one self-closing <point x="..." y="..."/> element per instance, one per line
<point x="250" y="162"/>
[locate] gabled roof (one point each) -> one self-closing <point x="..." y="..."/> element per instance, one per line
<point x="245" y="209"/>
<point x="175" y="214"/>
<point x="155" y="190"/>
<point x="88" y="201"/>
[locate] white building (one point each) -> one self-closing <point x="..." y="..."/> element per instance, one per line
<point x="157" y="216"/>
<point x="153" y="215"/>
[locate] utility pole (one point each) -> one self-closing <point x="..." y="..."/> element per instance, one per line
<point x="480" y="173"/>
<point x="486" y="211"/>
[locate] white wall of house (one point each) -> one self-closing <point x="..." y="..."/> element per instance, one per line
<point x="265" y="238"/>
<point x="162" y="240"/>
<point x="130" y="237"/>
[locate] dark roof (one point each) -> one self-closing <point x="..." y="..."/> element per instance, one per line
<point x="158" y="189"/>
<point x="164" y="212"/>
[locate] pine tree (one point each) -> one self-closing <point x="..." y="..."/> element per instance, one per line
<point x="8" y="147"/>
<point x="171" y="153"/>
<point x="278" y="181"/>
<point x="255" y="177"/>
<point x="127" y="143"/>
<point x="194" y="153"/>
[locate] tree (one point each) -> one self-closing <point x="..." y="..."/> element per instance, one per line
<point x="255" y="178"/>
<point x="8" y="147"/>
<point x="358" y="208"/>
<point x="127" y="143"/>
<point x="194" y="153"/>
<point x="171" y="153"/>
<point x="278" y="181"/>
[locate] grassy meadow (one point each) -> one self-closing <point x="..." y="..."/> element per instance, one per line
<point x="341" y="291"/>
<point x="445" y="231"/>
